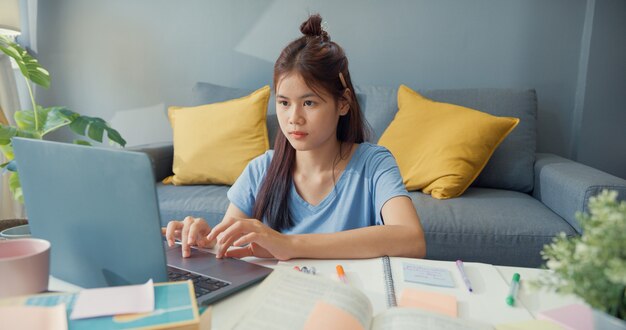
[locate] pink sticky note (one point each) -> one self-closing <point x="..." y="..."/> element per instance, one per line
<point x="33" y="317"/>
<point x="432" y="301"/>
<point x="329" y="317"/>
<point x="570" y="317"/>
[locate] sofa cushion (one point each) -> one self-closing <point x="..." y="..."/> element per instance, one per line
<point x="511" y="165"/>
<point x="207" y="202"/>
<point x="495" y="226"/>
<point x="204" y="93"/>
<point x="213" y="143"/>
<point x="441" y="147"/>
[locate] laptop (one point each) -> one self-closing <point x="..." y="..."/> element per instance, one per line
<point x="98" y="208"/>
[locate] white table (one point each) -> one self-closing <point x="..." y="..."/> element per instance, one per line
<point x="530" y="302"/>
<point x="536" y="300"/>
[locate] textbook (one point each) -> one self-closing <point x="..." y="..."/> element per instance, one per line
<point x="288" y="299"/>
<point x="175" y="307"/>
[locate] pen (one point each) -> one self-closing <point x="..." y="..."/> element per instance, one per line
<point x="341" y="274"/>
<point x="510" y="299"/>
<point x="459" y="265"/>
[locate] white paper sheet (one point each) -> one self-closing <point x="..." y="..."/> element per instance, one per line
<point x="114" y="301"/>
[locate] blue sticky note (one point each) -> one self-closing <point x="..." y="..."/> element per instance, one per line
<point x="427" y="275"/>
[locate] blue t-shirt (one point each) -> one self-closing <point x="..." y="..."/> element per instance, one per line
<point x="370" y="179"/>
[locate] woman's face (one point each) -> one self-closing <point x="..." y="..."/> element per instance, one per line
<point x="308" y="119"/>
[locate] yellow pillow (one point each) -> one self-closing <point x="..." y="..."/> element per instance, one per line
<point x="441" y="148"/>
<point x="213" y="143"/>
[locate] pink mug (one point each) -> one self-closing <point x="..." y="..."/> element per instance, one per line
<point x="24" y="266"/>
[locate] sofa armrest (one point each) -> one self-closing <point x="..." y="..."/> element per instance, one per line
<point x="565" y="186"/>
<point x="162" y="157"/>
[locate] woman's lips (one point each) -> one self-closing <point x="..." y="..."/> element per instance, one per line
<point x="298" y="134"/>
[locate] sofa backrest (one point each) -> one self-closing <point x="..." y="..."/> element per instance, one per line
<point x="511" y="165"/>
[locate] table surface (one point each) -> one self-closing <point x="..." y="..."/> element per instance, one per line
<point x="532" y="300"/>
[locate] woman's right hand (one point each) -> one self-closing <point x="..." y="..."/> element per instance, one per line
<point x="191" y="232"/>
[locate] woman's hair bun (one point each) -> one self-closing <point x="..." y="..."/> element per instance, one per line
<point x="312" y="27"/>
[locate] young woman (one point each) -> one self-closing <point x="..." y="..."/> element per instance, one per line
<point x="323" y="192"/>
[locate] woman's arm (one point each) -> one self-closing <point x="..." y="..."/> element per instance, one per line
<point x="401" y="236"/>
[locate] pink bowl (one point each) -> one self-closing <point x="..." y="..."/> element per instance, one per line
<point x="24" y="266"/>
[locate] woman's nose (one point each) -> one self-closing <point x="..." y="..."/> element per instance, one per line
<point x="296" y="116"/>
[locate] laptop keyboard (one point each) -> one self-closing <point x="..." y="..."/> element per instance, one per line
<point x="202" y="284"/>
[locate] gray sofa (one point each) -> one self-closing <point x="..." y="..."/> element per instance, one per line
<point x="520" y="201"/>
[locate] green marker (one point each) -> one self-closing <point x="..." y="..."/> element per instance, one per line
<point x="510" y="299"/>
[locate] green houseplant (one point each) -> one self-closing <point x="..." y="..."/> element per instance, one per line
<point x="593" y="265"/>
<point x="39" y="121"/>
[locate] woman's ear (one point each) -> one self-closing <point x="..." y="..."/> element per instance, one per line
<point x="344" y="102"/>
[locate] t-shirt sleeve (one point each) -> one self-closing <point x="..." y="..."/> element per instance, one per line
<point x="386" y="181"/>
<point x="243" y="192"/>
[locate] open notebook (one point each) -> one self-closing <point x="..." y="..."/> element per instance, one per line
<point x="486" y="303"/>
<point x="288" y="299"/>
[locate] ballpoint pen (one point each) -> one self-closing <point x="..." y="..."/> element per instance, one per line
<point x="459" y="265"/>
<point x="510" y="299"/>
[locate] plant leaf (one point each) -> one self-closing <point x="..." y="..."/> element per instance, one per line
<point x="25" y="119"/>
<point x="82" y="142"/>
<point x="94" y="127"/>
<point x="29" y="66"/>
<point x="16" y="187"/>
<point x="95" y="131"/>
<point x="6" y="133"/>
<point x="79" y="125"/>
<point x="115" y="136"/>
<point x="7" y="150"/>
<point x="55" y="120"/>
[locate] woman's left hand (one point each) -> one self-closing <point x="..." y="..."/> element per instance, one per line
<point x="263" y="241"/>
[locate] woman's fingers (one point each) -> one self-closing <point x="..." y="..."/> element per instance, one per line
<point x="198" y="234"/>
<point x="185" y="236"/>
<point x="229" y="235"/>
<point x="252" y="250"/>
<point x="173" y="228"/>
<point x="240" y="253"/>
<point x="246" y="239"/>
<point x="225" y="224"/>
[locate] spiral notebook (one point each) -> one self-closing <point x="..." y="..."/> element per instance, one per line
<point x="390" y="290"/>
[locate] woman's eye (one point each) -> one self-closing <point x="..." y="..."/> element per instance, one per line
<point x="309" y="103"/>
<point x="283" y="103"/>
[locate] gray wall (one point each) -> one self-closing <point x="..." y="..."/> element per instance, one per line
<point x="602" y="140"/>
<point x="126" y="61"/>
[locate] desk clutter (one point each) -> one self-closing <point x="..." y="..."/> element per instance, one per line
<point x="169" y="305"/>
<point x="380" y="293"/>
<point x="388" y="293"/>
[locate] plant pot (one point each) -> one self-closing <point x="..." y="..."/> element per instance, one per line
<point x="14" y="228"/>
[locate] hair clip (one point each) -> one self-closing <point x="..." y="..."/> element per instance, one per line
<point x="343" y="81"/>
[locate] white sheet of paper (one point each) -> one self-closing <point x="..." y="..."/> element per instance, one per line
<point x="114" y="301"/>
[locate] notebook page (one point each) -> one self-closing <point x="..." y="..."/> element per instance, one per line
<point x="413" y="318"/>
<point x="486" y="303"/>
<point x="286" y="298"/>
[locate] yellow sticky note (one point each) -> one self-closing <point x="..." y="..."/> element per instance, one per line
<point x="432" y="301"/>
<point x="329" y="317"/>
<point x="529" y="325"/>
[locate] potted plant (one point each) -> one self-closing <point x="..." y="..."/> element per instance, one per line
<point x="593" y="265"/>
<point x="39" y="121"/>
